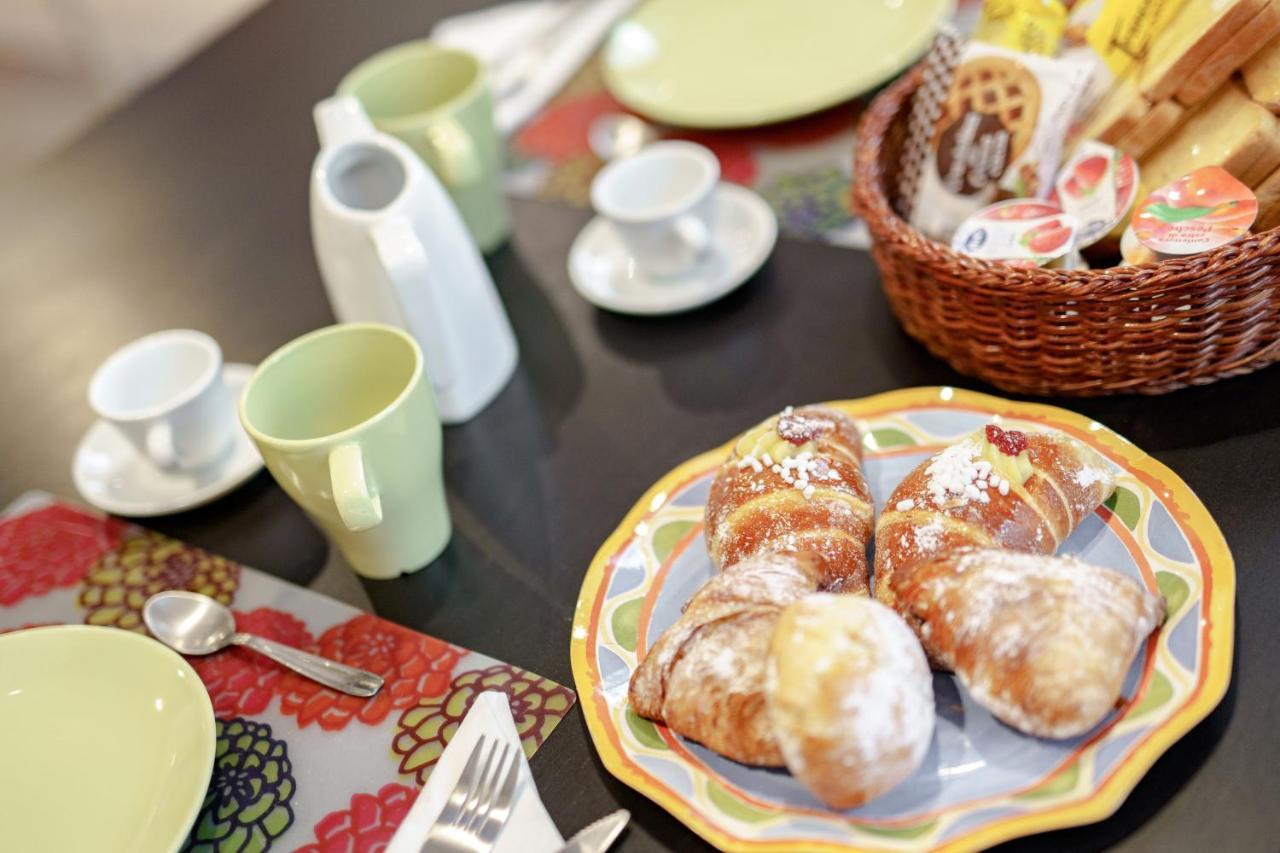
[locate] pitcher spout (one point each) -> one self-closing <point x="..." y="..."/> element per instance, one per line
<point x="341" y="119"/>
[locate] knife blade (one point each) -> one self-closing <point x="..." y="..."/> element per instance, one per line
<point x="596" y="837"/>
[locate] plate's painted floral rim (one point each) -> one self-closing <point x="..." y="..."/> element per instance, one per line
<point x="1217" y="611"/>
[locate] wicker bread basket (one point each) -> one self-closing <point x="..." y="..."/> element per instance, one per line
<point x="1143" y="329"/>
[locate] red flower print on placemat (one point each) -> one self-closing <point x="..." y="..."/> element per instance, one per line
<point x="119" y="584"/>
<point x="563" y="131"/>
<point x="241" y="682"/>
<point x="414" y="667"/>
<point x="367" y="826"/>
<point x="51" y="547"/>
<point x="537" y="706"/>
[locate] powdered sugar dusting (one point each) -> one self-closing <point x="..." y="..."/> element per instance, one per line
<point x="1089" y="475"/>
<point x="929" y="536"/>
<point x="1056" y="630"/>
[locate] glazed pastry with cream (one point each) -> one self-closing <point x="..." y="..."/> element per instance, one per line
<point x="795" y="483"/>
<point x="996" y="488"/>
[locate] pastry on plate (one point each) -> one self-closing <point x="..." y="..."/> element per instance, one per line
<point x="1043" y="643"/>
<point x="795" y="483"/>
<point x="1025" y="491"/>
<point x="850" y="695"/>
<point x="704" y="677"/>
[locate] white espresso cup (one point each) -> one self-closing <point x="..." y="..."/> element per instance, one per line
<point x="165" y="393"/>
<point x="661" y="202"/>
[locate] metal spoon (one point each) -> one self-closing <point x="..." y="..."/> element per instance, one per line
<point x="195" y="624"/>
<point x="613" y="136"/>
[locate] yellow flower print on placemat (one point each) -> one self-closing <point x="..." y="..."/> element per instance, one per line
<point x="121" y="581"/>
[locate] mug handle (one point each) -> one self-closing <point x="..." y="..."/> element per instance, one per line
<point x="451" y="153"/>
<point x="693" y="232"/>
<point x="358" y="506"/>
<point x="405" y="260"/>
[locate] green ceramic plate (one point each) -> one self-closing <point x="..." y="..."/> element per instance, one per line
<point x="107" y="738"/>
<point x="740" y="63"/>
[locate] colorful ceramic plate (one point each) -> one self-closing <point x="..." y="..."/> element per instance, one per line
<point x="740" y="63"/>
<point x="107" y="738"/>
<point x="981" y="782"/>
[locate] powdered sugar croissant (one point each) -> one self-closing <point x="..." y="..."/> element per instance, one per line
<point x="1025" y="491"/>
<point x="795" y="483"/>
<point x="704" y="677"/>
<point x="1043" y="643"/>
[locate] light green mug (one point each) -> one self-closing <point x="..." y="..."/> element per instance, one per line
<point x="345" y="420"/>
<point x="434" y="99"/>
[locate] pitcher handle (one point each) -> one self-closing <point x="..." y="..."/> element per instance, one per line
<point x="341" y="119"/>
<point x="405" y="260"/>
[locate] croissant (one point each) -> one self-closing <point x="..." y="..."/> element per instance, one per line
<point x="1025" y="491"/>
<point x="1043" y="643"/>
<point x="795" y="483"/>
<point x="704" y="677"/>
<point x="850" y="695"/>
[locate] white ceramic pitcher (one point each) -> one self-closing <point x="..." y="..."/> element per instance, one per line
<point x="393" y="249"/>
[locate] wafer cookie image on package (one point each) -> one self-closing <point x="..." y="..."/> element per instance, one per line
<point x="1001" y="128"/>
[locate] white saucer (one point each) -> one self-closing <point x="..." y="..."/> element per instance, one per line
<point x="604" y="274"/>
<point x="110" y="473"/>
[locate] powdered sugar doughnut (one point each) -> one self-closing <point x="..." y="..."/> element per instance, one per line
<point x="850" y="696"/>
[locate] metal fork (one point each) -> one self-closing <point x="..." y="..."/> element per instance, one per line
<point x="480" y="803"/>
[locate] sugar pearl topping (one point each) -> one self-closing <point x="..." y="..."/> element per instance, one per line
<point x="957" y="474"/>
<point x="786" y="447"/>
<point x="970" y="469"/>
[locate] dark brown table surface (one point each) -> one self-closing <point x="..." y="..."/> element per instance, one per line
<point x="189" y="208"/>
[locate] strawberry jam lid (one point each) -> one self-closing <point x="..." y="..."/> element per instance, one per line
<point x="1200" y="211"/>
<point x="1025" y="231"/>
<point x="1098" y="186"/>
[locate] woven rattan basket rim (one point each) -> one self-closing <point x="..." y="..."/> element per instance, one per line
<point x="1120" y="283"/>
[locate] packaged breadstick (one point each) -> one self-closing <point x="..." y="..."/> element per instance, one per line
<point x="1002" y="127"/>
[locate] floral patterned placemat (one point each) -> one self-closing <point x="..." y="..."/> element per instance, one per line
<point x="802" y="168"/>
<point x="298" y="766"/>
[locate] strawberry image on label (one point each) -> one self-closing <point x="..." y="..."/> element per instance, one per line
<point x="1024" y="232"/>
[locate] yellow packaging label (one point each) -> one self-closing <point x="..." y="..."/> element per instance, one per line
<point x="1124" y="30"/>
<point x="1027" y="26"/>
<point x="995" y="14"/>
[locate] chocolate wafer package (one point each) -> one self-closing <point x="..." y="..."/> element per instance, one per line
<point x="1001" y="129"/>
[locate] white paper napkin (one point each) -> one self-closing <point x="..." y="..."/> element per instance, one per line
<point x="529" y="830"/>
<point x="497" y="34"/>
